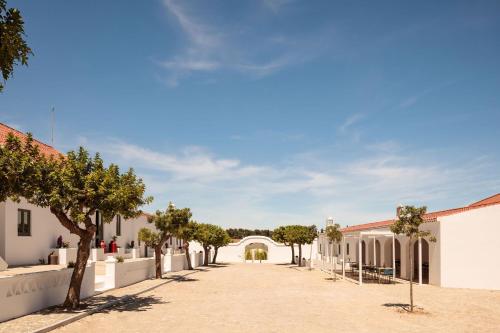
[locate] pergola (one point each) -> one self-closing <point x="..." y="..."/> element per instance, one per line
<point x="373" y="234"/>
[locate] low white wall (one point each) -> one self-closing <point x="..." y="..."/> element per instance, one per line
<point x="26" y="293"/>
<point x="3" y="265"/>
<point x="128" y="272"/>
<point x="277" y="252"/>
<point x="174" y="262"/>
<point x="196" y="259"/>
<point x="97" y="254"/>
<point x="66" y="255"/>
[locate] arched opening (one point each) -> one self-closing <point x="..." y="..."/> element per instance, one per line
<point x="256" y="252"/>
<point x="425" y="261"/>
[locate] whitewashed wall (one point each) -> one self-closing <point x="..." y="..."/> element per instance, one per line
<point x="45" y="228"/>
<point x="128" y="272"/>
<point x="174" y="262"/>
<point x="277" y="253"/>
<point x="470" y="249"/>
<point x="26" y="293"/>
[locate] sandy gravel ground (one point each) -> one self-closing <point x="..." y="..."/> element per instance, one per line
<point x="274" y="298"/>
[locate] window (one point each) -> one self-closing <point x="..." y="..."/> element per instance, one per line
<point x="347" y="249"/>
<point x="23" y="222"/>
<point x="118" y="225"/>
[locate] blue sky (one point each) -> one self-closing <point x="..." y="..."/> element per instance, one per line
<point x="267" y="112"/>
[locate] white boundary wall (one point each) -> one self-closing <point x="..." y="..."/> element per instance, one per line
<point x="128" y="272"/>
<point x="26" y="293"/>
<point x="277" y="252"/>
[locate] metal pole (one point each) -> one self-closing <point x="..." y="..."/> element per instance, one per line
<point x="360" y="262"/>
<point x="419" y="260"/>
<point x="343" y="257"/>
<point x="393" y="256"/>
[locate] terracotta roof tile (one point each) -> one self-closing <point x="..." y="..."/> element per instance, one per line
<point x="489" y="200"/>
<point x="44" y="148"/>
<point x="493" y="200"/>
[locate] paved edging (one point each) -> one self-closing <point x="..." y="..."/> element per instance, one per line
<point x="79" y="316"/>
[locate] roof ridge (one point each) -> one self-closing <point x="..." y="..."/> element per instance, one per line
<point x="46" y="148"/>
<point x="487" y="198"/>
<point x="428" y="216"/>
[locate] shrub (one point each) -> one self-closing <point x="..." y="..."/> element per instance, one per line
<point x="71" y="264"/>
<point x="120" y="259"/>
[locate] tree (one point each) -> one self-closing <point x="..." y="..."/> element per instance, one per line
<point x="220" y="238"/>
<point x="334" y="235"/>
<point x="187" y="233"/>
<point x="408" y="223"/>
<point x="204" y="235"/>
<point x="13" y="47"/>
<point x="302" y="235"/>
<point x="283" y="235"/>
<point x="17" y="168"/>
<point x="74" y="187"/>
<point x="167" y="223"/>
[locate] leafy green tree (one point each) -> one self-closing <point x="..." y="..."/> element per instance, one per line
<point x="410" y="218"/>
<point x="74" y="188"/>
<point x="167" y="223"/>
<point x="283" y="234"/>
<point x="187" y="233"/>
<point x="302" y="235"/>
<point x="13" y="47"/>
<point x="204" y="235"/>
<point x="334" y="235"/>
<point x="17" y="168"/>
<point x="219" y="238"/>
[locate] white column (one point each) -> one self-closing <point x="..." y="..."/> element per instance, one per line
<point x="343" y="258"/>
<point x="393" y="257"/>
<point x="419" y="260"/>
<point x="360" y="262"/>
<point x="374" y="252"/>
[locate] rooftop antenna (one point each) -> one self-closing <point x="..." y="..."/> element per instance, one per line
<point x="53" y="112"/>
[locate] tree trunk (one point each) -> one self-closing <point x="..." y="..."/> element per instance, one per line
<point x="411" y="274"/>
<point x="73" y="297"/>
<point x="293" y="254"/>
<point x="300" y="255"/>
<point x="215" y="255"/>
<point x="188" y="256"/>
<point x="158" y="261"/>
<point x="205" y="260"/>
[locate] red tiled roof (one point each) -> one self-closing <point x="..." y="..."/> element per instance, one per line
<point x="489" y="200"/>
<point x="44" y="148"/>
<point x="493" y="200"/>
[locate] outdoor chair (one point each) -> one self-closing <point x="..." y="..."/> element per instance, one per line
<point x="387" y="273"/>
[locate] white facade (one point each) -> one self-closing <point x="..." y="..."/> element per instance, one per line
<point x="45" y="228"/>
<point x="276" y="252"/>
<point x="464" y="254"/>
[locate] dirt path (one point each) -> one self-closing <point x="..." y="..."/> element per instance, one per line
<point x="273" y="298"/>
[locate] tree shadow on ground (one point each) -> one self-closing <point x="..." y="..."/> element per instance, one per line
<point x="403" y="306"/>
<point x="180" y="278"/>
<point x="134" y="303"/>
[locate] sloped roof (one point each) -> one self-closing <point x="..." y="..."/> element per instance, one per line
<point x="44" y="148"/>
<point x="489" y="200"/>
<point x="493" y="200"/>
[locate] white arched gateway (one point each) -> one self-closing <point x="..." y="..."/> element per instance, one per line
<point x="235" y="252"/>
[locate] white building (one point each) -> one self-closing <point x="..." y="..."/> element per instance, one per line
<point x="463" y="256"/>
<point x="28" y="233"/>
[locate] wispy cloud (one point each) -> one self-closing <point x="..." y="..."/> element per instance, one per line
<point x="216" y="47"/>
<point x="303" y="188"/>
